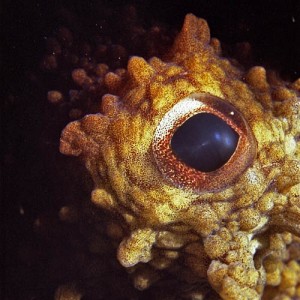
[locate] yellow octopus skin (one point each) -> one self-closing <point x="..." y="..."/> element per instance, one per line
<point x="240" y="234"/>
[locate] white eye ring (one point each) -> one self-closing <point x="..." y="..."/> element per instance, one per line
<point x="185" y="108"/>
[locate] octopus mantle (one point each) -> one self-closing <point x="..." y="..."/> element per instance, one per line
<point x="236" y="227"/>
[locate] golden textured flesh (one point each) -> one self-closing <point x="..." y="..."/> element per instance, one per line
<point x="243" y="237"/>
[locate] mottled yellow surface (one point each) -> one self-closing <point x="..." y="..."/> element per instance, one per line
<point x="242" y="238"/>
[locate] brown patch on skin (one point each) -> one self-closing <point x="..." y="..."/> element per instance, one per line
<point x="239" y="229"/>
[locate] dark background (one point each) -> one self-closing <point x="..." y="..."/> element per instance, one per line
<point x="36" y="178"/>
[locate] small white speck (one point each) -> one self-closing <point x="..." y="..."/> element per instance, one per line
<point x="252" y="177"/>
<point x="293" y="19"/>
<point x="21" y="211"/>
<point x="232" y="113"/>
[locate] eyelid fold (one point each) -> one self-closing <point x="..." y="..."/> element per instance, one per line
<point x="183" y="176"/>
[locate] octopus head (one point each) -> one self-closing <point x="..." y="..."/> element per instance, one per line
<point x="196" y="157"/>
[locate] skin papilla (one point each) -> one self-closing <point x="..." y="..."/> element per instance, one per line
<point x="236" y="228"/>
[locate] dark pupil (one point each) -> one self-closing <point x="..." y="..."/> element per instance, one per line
<point x="204" y="142"/>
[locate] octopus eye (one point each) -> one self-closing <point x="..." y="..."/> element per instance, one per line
<point x="206" y="136"/>
<point x="203" y="143"/>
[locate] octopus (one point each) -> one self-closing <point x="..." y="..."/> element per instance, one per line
<point x="196" y="162"/>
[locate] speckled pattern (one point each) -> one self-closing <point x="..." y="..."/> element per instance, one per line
<point x="243" y="238"/>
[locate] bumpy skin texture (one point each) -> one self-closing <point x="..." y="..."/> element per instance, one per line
<point x="242" y="238"/>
